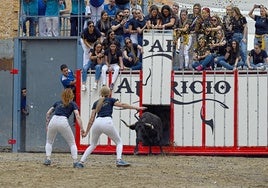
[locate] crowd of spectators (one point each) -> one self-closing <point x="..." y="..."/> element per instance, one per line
<point x="202" y="40"/>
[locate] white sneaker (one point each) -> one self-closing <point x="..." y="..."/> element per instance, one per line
<point x="83" y="88"/>
<point x="95" y="86"/>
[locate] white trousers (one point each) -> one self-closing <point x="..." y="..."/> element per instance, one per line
<point x="103" y="125"/>
<point x="115" y="68"/>
<point x="52" y="26"/>
<point x="86" y="52"/>
<point x="60" y="124"/>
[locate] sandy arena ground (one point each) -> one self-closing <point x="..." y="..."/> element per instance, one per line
<point x="26" y="170"/>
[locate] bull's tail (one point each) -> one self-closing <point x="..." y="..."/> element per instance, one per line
<point x="132" y="127"/>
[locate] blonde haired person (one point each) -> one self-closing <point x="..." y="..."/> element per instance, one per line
<point x="102" y="109"/>
<point x="59" y="123"/>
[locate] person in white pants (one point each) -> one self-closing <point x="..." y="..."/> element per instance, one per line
<point x="59" y="123"/>
<point x="113" y="62"/>
<point x="103" y="109"/>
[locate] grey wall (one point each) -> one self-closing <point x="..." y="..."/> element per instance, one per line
<point x="40" y="74"/>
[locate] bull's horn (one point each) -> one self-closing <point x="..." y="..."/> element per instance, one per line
<point x="150" y="125"/>
<point x="135" y="115"/>
<point x="126" y="123"/>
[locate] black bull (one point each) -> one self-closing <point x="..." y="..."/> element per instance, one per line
<point x="149" y="131"/>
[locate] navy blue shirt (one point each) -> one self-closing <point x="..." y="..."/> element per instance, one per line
<point x="107" y="107"/>
<point x="258" y="58"/>
<point x="66" y="111"/>
<point x="261" y="25"/>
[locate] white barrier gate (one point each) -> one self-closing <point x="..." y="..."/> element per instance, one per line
<point x="211" y="112"/>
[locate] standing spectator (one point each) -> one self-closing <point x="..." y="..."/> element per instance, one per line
<point x="104" y="24"/>
<point x="77" y="16"/>
<point x="118" y="26"/>
<point x="175" y="9"/>
<point x="226" y="20"/>
<point x="96" y="60"/>
<point x="52" y="17"/>
<point x="24" y="112"/>
<point x="134" y="5"/>
<point x="30" y="13"/>
<point x="131" y="52"/>
<point x="111" y="8"/>
<point x="59" y="123"/>
<point x="63" y="10"/>
<point x="96" y="7"/>
<point x="101" y="121"/>
<point x="153" y="19"/>
<point x="257" y="58"/>
<point x="42" y="26"/>
<point x="232" y="59"/>
<point x="167" y="18"/>
<point x="240" y="31"/>
<point x="185" y="40"/>
<point x="132" y="27"/>
<point x="113" y="62"/>
<point x="203" y="59"/>
<point x="141" y="25"/>
<point x="122" y="4"/>
<point x="261" y="26"/>
<point x="128" y="18"/>
<point x="67" y="78"/>
<point x="88" y="37"/>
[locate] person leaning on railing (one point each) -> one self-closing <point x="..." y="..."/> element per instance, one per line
<point x="261" y="26"/>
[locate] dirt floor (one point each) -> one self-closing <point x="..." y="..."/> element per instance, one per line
<point x="27" y="170"/>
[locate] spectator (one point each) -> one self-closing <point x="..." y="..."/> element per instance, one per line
<point x="167" y="18"/>
<point x="113" y="62"/>
<point x="175" y="9"/>
<point x="96" y="60"/>
<point x="63" y="10"/>
<point x="215" y="26"/>
<point x="109" y="39"/>
<point x="42" y="26"/>
<point x="261" y="26"/>
<point x="104" y="24"/>
<point x="141" y="25"/>
<point x="240" y="31"/>
<point x="227" y="23"/>
<point x="118" y="26"/>
<point x="77" y="16"/>
<point x="88" y="37"/>
<point x="128" y="18"/>
<point x="185" y="40"/>
<point x="218" y="47"/>
<point x="96" y="7"/>
<point x="131" y="52"/>
<point x="52" y="17"/>
<point x="134" y="5"/>
<point x="232" y="59"/>
<point x="59" y="123"/>
<point x="153" y="19"/>
<point x="132" y="27"/>
<point x="203" y="23"/>
<point x="203" y="59"/>
<point x="257" y="58"/>
<point x="193" y="18"/>
<point x="122" y="4"/>
<point x="111" y="8"/>
<point x="30" y="13"/>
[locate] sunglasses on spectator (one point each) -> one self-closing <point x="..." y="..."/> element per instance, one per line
<point x="128" y="42"/>
<point x="91" y="26"/>
<point x="120" y="15"/>
<point x="214" y="20"/>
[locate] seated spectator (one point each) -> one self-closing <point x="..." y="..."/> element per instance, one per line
<point x="203" y="59"/>
<point x="96" y="60"/>
<point x="113" y="62"/>
<point x="131" y="52"/>
<point x="257" y="58"/>
<point x="110" y="37"/>
<point x="232" y="59"/>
